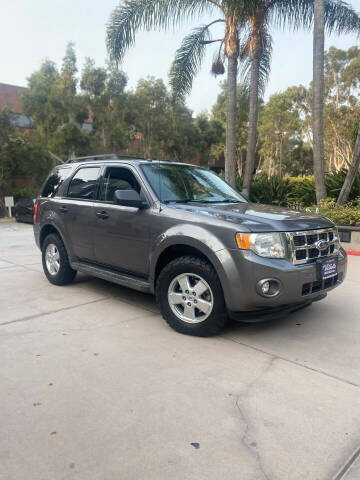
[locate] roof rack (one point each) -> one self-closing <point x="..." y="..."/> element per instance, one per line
<point x="109" y="156"/>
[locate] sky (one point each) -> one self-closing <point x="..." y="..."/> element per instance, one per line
<point x="33" y="30"/>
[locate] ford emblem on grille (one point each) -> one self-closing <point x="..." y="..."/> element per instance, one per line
<point x="321" y="245"/>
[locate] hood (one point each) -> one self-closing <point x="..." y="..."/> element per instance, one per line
<point x="259" y="218"/>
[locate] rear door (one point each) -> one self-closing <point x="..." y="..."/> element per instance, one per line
<point x="122" y="233"/>
<point x="77" y="211"/>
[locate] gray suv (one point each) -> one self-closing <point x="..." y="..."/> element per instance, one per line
<point x="179" y="231"/>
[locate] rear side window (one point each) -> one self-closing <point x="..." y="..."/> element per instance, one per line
<point x="84" y="183"/>
<point x="54" y="181"/>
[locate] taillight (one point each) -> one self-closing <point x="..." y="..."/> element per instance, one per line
<point x="36" y="209"/>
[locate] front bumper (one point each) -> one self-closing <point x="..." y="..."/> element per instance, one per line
<point x="299" y="284"/>
<point x="274" y="313"/>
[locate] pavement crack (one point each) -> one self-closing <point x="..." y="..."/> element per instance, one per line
<point x="345" y="468"/>
<point x="50" y="312"/>
<point x="307" y="367"/>
<point x="251" y="444"/>
<point x="26" y="267"/>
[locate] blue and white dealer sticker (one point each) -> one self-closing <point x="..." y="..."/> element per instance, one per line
<point x="329" y="268"/>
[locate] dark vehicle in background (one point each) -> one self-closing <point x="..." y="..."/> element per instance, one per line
<point x="180" y="232"/>
<point x="24" y="210"/>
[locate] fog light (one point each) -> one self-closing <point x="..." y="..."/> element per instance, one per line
<point x="268" y="287"/>
<point x="265" y="287"/>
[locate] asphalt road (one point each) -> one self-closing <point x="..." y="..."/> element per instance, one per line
<point x="95" y="385"/>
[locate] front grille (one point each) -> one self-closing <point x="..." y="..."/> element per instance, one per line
<point x="304" y="248"/>
<point x="318" y="286"/>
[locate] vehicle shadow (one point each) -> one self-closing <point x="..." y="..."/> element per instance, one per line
<point x="112" y="290"/>
<point x="273" y="326"/>
<point x="148" y="302"/>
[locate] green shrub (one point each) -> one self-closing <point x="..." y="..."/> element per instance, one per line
<point x="334" y="182"/>
<point x="27" y="192"/>
<point x="273" y="190"/>
<point x="302" y="191"/>
<point x="348" y="214"/>
<point x="296" y="192"/>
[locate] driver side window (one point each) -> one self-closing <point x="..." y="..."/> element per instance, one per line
<point x="117" y="178"/>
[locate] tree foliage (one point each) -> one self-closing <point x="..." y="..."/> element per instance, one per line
<point x="145" y="121"/>
<point x="23" y="163"/>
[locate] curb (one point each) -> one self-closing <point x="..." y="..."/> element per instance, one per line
<point x="356" y="253"/>
<point x="7" y="220"/>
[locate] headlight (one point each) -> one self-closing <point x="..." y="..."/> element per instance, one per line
<point x="270" y="245"/>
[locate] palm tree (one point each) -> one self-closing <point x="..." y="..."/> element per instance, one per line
<point x="338" y="16"/>
<point x="132" y="15"/>
<point x="352" y="172"/>
<point x="256" y="55"/>
<point x="318" y="99"/>
<point x="256" y="52"/>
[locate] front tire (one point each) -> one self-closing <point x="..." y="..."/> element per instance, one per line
<point x="56" y="262"/>
<point x="190" y="297"/>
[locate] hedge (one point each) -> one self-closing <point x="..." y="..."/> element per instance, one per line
<point x="289" y="191"/>
<point x="299" y="193"/>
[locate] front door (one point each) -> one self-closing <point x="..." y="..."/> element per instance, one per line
<point x="122" y="233"/>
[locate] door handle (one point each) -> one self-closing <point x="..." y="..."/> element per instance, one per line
<point x="63" y="209"/>
<point x="103" y="215"/>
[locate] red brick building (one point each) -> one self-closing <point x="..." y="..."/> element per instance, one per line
<point x="10" y="97"/>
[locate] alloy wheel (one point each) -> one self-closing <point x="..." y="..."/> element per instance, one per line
<point x="52" y="259"/>
<point x="190" y="298"/>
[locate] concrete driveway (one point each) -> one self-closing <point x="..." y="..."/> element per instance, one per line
<point x="95" y="385"/>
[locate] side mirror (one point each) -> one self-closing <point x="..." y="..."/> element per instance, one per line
<point x="128" y="198"/>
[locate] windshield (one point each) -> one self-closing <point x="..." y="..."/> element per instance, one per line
<point x="183" y="184"/>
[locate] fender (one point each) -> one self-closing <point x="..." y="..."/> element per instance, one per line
<point x="50" y="223"/>
<point x="49" y="217"/>
<point x="192" y="236"/>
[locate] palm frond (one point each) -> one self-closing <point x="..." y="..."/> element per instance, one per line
<point x="340" y="17"/>
<point x="265" y="64"/>
<point x="217" y="67"/>
<point x="133" y="15"/>
<point x="263" y="53"/>
<point x="292" y="14"/>
<point x="188" y="60"/>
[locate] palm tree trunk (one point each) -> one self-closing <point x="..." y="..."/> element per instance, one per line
<point x="231" y="121"/>
<point x="351" y="174"/>
<point x="253" y="123"/>
<point x="318" y="99"/>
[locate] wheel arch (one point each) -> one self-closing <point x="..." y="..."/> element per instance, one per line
<point x="176" y="251"/>
<point x="179" y="247"/>
<point x="48" y="229"/>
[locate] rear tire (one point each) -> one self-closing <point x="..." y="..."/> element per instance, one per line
<point x="56" y="262"/>
<point x="198" y="309"/>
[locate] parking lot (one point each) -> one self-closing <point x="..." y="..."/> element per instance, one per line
<point x="95" y="385"/>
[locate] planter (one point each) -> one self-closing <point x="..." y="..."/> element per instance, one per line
<point x="350" y="238"/>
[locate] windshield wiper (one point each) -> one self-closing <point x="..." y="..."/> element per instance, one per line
<point x="191" y="200"/>
<point x="226" y="200"/>
<point x="185" y="200"/>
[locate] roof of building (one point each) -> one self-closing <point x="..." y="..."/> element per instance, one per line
<point x="10" y="97"/>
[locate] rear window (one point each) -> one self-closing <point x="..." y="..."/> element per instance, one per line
<point x="54" y="181"/>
